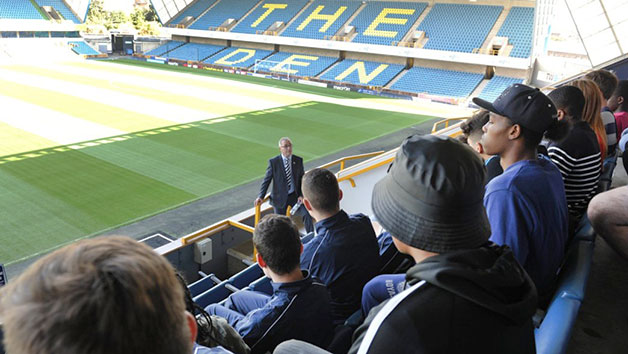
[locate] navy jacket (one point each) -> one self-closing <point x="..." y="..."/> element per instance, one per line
<point x="344" y="255"/>
<point x="297" y="310"/>
<point x="276" y="173"/>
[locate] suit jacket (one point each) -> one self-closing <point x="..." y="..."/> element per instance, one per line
<point x="276" y="173"/>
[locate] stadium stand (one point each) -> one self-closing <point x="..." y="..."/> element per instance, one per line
<point x="386" y="22"/>
<point x="238" y="57"/>
<point x="267" y="13"/>
<point x="221" y="12"/>
<point x="518" y="27"/>
<point x="61" y="7"/>
<point x="496" y="85"/>
<point x="19" y="10"/>
<point x="165" y="48"/>
<point x="194" y="51"/>
<point x="362" y="72"/>
<point x="80" y="47"/>
<point x="458" y="27"/>
<point x="302" y="64"/>
<point x="195" y="10"/>
<point x="322" y="18"/>
<point x="438" y="82"/>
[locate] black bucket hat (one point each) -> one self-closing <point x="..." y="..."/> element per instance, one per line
<point x="523" y="105"/>
<point x="432" y="198"/>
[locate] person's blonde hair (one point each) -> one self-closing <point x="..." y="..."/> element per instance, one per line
<point x="98" y="296"/>
<point x="592" y="112"/>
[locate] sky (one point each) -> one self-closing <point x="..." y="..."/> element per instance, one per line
<point x="118" y="5"/>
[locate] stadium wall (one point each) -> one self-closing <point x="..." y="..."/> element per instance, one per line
<point x="377" y="58"/>
<point x="310" y="51"/>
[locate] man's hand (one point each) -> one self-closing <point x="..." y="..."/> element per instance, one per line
<point x="258" y="201"/>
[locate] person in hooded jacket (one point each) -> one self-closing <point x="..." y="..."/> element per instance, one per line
<point x="465" y="294"/>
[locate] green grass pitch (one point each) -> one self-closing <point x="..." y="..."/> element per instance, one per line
<point x="54" y="196"/>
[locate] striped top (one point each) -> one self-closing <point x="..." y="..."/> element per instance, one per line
<point x="578" y="159"/>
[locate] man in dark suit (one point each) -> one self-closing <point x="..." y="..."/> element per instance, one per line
<point x="285" y="171"/>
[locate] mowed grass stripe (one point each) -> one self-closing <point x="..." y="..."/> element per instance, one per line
<point x="16" y="140"/>
<point x="215" y="106"/>
<point x="101" y="187"/>
<point x="62" y="197"/>
<point x="225" y="85"/>
<point x="113" y="117"/>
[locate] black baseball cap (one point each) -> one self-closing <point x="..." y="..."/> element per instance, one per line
<point x="524" y="105"/>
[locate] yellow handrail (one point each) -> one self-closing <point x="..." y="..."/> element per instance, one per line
<point x="446" y="122"/>
<point x="214" y="229"/>
<point x="342" y="161"/>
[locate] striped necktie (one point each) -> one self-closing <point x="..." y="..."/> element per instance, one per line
<point x="286" y="165"/>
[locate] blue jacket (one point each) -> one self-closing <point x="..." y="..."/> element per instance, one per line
<point x="527" y="210"/>
<point x="199" y="349"/>
<point x="297" y="310"/>
<point x="344" y="255"/>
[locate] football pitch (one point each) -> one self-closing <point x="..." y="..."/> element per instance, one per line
<point x="90" y="146"/>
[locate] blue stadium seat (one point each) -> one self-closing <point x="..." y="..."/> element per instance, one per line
<point x="194" y="51"/>
<point x="61" y="7"/>
<point x="438" y="82"/>
<point x="80" y="47"/>
<point x="260" y="19"/>
<point x="496" y="86"/>
<point x="519" y="27"/>
<point x="221" y="12"/>
<point x="458" y="27"/>
<point x="238" y="57"/>
<point x="245" y="277"/>
<point x="383" y="31"/>
<point x="19" y="10"/>
<point x="201" y="285"/>
<point x="322" y="18"/>
<point x="312" y="64"/>
<point x="166" y="47"/>
<point x="262" y="285"/>
<point x="214" y="295"/>
<point x="369" y="75"/>
<point x="574" y="273"/>
<point x="195" y="10"/>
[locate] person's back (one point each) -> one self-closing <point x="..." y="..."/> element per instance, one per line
<point x="461" y="302"/>
<point x="578" y="155"/>
<point x="530" y="197"/>
<point x="344" y="254"/>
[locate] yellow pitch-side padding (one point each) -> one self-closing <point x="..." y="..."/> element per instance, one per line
<point x="381" y="18"/>
<point x="362" y="75"/>
<point x="292" y="60"/>
<point x="225" y="60"/>
<point x="269" y="9"/>
<point x="316" y="15"/>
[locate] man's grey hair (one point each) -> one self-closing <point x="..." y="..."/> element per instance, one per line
<point x="284" y="139"/>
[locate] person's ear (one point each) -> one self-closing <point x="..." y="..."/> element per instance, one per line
<point x="560" y="114"/>
<point x="514" y="132"/>
<point x="301" y="249"/>
<point x="192" y="326"/>
<point x="479" y="148"/>
<point x="339" y="194"/>
<point x="307" y="204"/>
<point x="620" y="100"/>
<point x="261" y="261"/>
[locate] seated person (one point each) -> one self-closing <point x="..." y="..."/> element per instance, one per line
<point x="465" y="294"/>
<point x="619" y="104"/>
<point x="526" y="205"/>
<point x="214" y="333"/>
<point x="472" y="130"/>
<point x="99" y="296"/>
<point x="299" y="307"/>
<point x="344" y="253"/>
<point x="577" y="156"/>
<point x="609" y="218"/>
